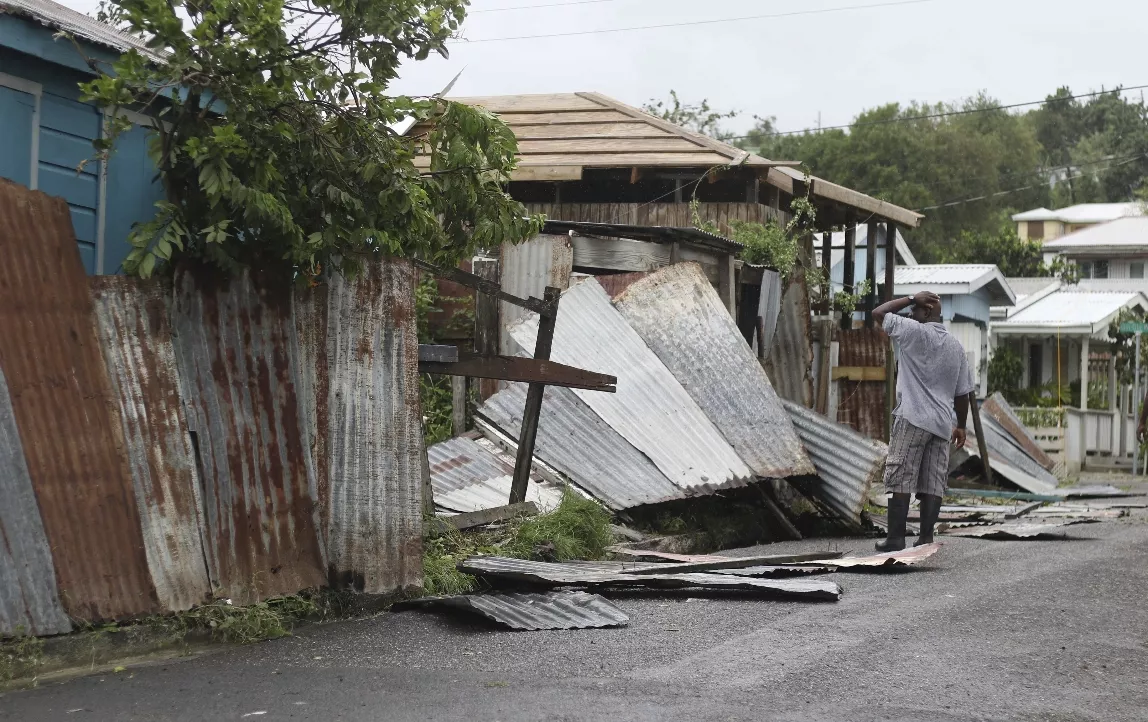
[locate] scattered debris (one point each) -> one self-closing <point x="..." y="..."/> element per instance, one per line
<point x="503" y="570"/>
<point x="494" y="515"/>
<point x="719" y="562"/>
<point x="874" y="562"/>
<point x="548" y="610"/>
<point x="1046" y="530"/>
<point x="998" y="409"/>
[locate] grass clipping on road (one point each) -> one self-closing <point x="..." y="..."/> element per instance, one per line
<point x="578" y="528"/>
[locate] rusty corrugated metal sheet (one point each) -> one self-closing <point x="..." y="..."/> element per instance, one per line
<point x="466" y="476"/>
<point x="135" y="335"/>
<point x="374" y="538"/>
<point x="29" y="602"/>
<point x="239" y="364"/>
<point x="651" y="410"/>
<point x="861" y="404"/>
<point x="526" y="270"/>
<point x="848" y="464"/>
<point x="65" y="412"/>
<point x="790" y="360"/>
<point x="614" y="283"/>
<point x="997" y="407"/>
<point x="583" y="447"/>
<point x="680" y="317"/>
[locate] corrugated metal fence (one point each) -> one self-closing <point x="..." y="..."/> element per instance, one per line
<point x="162" y="442"/>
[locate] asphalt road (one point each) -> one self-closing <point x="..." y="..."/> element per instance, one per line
<point x="988" y="630"/>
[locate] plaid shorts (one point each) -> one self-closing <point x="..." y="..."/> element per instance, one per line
<point x="918" y="461"/>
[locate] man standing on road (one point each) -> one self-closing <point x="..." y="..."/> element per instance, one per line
<point x="933" y="386"/>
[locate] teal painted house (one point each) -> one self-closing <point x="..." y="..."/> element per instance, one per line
<point x="47" y="132"/>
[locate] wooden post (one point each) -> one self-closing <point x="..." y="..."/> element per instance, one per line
<point x="526" y="437"/>
<point x="890" y="359"/>
<point x="827" y="270"/>
<point x="458" y="404"/>
<point x="982" y="445"/>
<point x="726" y="280"/>
<point x="871" y="273"/>
<point x="849" y="262"/>
<point x="487" y="325"/>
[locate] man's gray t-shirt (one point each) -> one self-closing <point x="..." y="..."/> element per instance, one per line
<point x="932" y="371"/>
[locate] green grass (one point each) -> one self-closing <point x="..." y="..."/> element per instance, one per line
<point x="577" y="529"/>
<point x="20" y="656"/>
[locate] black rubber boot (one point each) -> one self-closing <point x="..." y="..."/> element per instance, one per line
<point x="930" y="510"/>
<point x="898" y="514"/>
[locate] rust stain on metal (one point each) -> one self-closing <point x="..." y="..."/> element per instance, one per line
<point x="310" y="307"/>
<point x="66" y="414"/>
<point x="239" y="364"/>
<point x="374" y="537"/>
<point x="998" y="408"/>
<point x="861" y="404"/>
<point x="614" y="283"/>
<point x="790" y="360"/>
<point x="135" y="335"/>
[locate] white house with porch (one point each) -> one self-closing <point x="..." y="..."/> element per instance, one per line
<point x="1060" y="332"/>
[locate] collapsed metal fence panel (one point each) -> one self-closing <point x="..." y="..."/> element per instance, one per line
<point x="583" y="447"/>
<point x="680" y="317"/>
<point x="65" y="412"/>
<point x="135" y="335"/>
<point x="651" y="410"/>
<point x="29" y="602"/>
<point x="790" y="357"/>
<point x="848" y="464"/>
<point x="235" y="344"/>
<point x="374" y="439"/>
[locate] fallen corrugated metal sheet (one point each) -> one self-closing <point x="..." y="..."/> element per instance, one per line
<point x="239" y="361"/>
<point x="132" y="322"/>
<point x="530" y="572"/>
<point x="650" y="409"/>
<point x="790" y="360"/>
<point x="583" y="447"/>
<point x="467" y="477"/>
<point x="65" y="412"/>
<point x="847" y="463"/>
<point x="29" y="602"/>
<point x="861" y="404"/>
<point x="374" y="443"/>
<point x="526" y="269"/>
<point x="680" y="317"/>
<point x="1009" y="460"/>
<point x="1097" y="491"/>
<point x="1044" y="530"/>
<point x="884" y="562"/>
<point x="721" y="562"/>
<point x="549" y="610"/>
<point x="998" y="408"/>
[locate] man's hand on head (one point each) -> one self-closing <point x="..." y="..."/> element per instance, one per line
<point x="926" y="298"/>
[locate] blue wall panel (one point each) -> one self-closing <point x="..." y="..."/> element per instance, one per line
<point x="132" y="190"/>
<point x="67" y="129"/>
<point x="17" y="110"/>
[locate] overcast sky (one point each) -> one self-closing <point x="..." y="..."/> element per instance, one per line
<point x="834" y="63"/>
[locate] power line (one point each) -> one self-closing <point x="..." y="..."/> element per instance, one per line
<point x="693" y="23"/>
<point x="950" y="204"/>
<point x="533" y="7"/>
<point x="932" y="116"/>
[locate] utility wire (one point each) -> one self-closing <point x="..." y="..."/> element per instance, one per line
<point x="1028" y="187"/>
<point x="931" y="116"/>
<point x="533" y="7"/>
<point x="694" y="23"/>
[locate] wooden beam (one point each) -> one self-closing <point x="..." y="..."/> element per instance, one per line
<point x="871" y="272"/>
<point x="527" y="370"/>
<point x="482" y="517"/>
<point x="982" y="445"/>
<point x="546" y="173"/>
<point x="484" y="286"/>
<point x="436" y="353"/>
<point x="486" y="322"/>
<point x="635" y="175"/>
<point x="1001" y="494"/>
<point x="849" y="263"/>
<point x="526" y="438"/>
<point x="890" y="359"/>
<point x="826" y="269"/>
<point x="458" y="404"/>
<point x="859" y="373"/>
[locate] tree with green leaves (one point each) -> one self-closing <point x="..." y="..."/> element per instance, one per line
<point x="276" y="140"/>
<point x="698" y="117"/>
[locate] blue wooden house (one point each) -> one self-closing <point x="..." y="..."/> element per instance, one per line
<point x="47" y="132"/>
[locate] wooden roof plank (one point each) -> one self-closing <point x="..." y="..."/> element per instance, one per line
<point x="609" y="145"/>
<point x="604" y="115"/>
<point x="588" y="130"/>
<point x="550" y="102"/>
